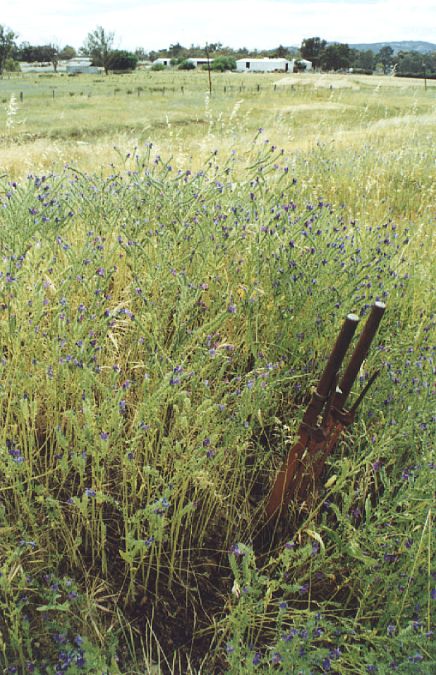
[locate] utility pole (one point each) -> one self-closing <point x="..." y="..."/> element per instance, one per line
<point x="208" y="68"/>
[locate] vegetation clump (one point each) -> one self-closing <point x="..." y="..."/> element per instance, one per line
<point x="186" y="65"/>
<point x="161" y="328"/>
<point x="223" y="63"/>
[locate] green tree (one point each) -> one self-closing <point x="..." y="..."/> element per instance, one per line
<point x="54" y="56"/>
<point x="11" y="66"/>
<point x="386" y="57"/>
<point x="311" y="49"/>
<point x="122" y="60"/>
<point x="281" y="52"/>
<point x="336" y="57"/>
<point x="363" y="59"/>
<point x="39" y="53"/>
<point x="223" y="63"/>
<point x="98" y="46"/>
<point x="67" y="53"/>
<point x="176" y="51"/>
<point x="214" y="47"/>
<point x="141" y="54"/>
<point x="7" y="44"/>
<point x="411" y="62"/>
<point x="186" y="65"/>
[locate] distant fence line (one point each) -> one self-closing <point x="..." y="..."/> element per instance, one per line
<point x="164" y="90"/>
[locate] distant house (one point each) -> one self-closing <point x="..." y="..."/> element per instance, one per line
<point x="36" y="67"/>
<point x="304" y="64"/>
<point x="266" y="65"/>
<point x="81" y="65"/>
<point x="162" y="62"/>
<point x="201" y="61"/>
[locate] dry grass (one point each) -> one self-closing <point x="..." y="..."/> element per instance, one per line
<point x="364" y="141"/>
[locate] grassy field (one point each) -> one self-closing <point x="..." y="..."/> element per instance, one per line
<point x="174" y="270"/>
<point x="361" y="136"/>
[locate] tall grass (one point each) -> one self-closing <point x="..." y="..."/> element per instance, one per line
<point x="364" y="143"/>
<point x="161" y="329"/>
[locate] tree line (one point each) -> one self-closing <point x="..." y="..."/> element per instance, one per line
<point x="339" y="56"/>
<point x="99" y="47"/>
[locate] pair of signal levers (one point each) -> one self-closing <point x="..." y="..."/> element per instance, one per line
<point x="325" y="417"/>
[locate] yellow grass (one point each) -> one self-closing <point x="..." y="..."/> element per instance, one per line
<point x="359" y="140"/>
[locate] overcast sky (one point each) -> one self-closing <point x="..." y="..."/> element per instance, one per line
<point x="154" y="24"/>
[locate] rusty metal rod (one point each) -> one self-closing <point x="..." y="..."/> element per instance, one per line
<point x="359" y="355"/>
<point x="309" y="430"/>
<point x="339" y="418"/>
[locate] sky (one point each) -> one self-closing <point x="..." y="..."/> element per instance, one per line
<point x="261" y="24"/>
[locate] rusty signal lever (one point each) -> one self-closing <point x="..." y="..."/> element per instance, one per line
<point x="306" y="459"/>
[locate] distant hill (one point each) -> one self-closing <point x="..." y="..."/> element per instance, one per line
<point x="404" y="45"/>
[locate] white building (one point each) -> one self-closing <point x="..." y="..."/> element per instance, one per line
<point x="267" y="65"/>
<point x="81" y="64"/>
<point x="36" y="67"/>
<point x="249" y="65"/>
<point x="201" y="61"/>
<point x="307" y="64"/>
<point x="163" y="62"/>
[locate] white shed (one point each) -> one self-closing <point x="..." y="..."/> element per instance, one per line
<point x="249" y="65"/>
<point x="307" y="64"/>
<point x="201" y="61"/>
<point x="81" y="64"/>
<point x="163" y="62"/>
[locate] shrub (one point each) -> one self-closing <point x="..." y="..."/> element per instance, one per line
<point x="419" y="76"/>
<point x="122" y="61"/>
<point x="12" y="66"/>
<point x="299" y="67"/>
<point x="158" y="66"/>
<point x="361" y="71"/>
<point x="222" y="63"/>
<point x="186" y="65"/>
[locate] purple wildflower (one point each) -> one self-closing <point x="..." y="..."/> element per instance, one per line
<point x="256" y="659"/>
<point x="276" y="658"/>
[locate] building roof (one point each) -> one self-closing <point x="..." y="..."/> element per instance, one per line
<point x="266" y="59"/>
<point x="80" y="61"/>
